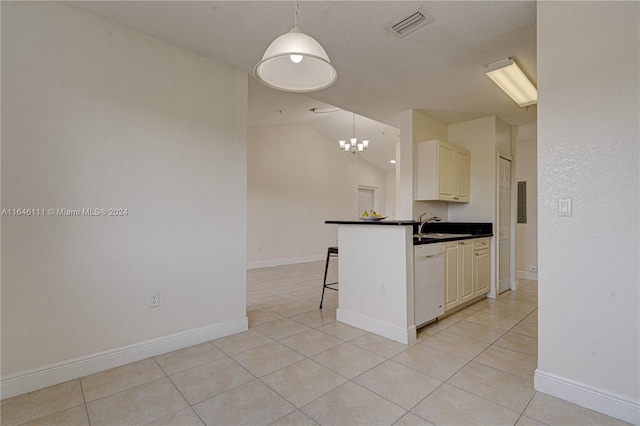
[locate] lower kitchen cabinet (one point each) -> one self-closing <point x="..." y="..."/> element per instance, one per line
<point x="481" y="271"/>
<point x="458" y="275"/>
<point x="467" y="272"/>
<point x="451" y="273"/>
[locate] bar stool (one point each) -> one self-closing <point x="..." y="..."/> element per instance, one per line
<point x="331" y="252"/>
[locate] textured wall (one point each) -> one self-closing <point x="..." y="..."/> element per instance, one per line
<point x="588" y="150"/>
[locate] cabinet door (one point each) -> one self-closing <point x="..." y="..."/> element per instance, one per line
<point x="482" y="272"/>
<point x="446" y="172"/>
<point x="466" y="269"/>
<point x="463" y="176"/>
<point x="451" y="291"/>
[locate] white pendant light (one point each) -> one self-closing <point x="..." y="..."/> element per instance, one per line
<point x="510" y="78"/>
<point x="295" y="62"/>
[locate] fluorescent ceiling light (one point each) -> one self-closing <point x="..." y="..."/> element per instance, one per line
<point x="510" y="78"/>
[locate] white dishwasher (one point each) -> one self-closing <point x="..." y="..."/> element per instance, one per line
<point x="428" y="280"/>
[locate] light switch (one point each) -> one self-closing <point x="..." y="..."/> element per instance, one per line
<point x="564" y="206"/>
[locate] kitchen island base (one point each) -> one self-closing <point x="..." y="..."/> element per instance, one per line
<point x="381" y="328"/>
<point x="376" y="279"/>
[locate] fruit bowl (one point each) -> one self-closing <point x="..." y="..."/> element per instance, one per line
<point x="371" y="215"/>
<point x="371" y="218"/>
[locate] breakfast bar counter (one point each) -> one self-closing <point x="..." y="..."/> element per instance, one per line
<point x="374" y="222"/>
<point x="376" y="277"/>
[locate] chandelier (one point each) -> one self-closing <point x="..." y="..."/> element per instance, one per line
<point x="352" y="146"/>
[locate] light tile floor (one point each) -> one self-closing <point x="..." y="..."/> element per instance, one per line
<point x="297" y="366"/>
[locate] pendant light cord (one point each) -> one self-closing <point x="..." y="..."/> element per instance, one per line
<point x="296" y="18"/>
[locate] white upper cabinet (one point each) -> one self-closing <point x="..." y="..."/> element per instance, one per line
<point x="442" y="172"/>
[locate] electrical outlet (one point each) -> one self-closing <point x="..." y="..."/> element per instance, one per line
<point x="155" y="300"/>
<point x="259" y="248"/>
<point x="383" y="290"/>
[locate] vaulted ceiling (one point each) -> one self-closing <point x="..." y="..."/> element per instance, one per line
<point x="437" y="69"/>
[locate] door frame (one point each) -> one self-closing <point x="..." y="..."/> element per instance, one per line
<point x="374" y="194"/>
<point x="512" y="229"/>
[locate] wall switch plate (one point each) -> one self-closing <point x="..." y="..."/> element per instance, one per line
<point x="564" y="206"/>
<point x="155" y="300"/>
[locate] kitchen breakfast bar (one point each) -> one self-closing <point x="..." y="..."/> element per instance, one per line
<point x="377" y="270"/>
<point x="376" y="277"/>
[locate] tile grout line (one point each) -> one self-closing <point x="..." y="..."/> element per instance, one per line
<point x="473" y="360"/>
<point x="84" y="401"/>
<point x="527" y="406"/>
<point x="348" y="380"/>
<point x="177" y="389"/>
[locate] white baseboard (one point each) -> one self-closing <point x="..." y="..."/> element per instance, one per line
<point x="289" y="261"/>
<point x="41" y="377"/>
<point x="381" y="328"/>
<point x="588" y="397"/>
<point x="527" y="275"/>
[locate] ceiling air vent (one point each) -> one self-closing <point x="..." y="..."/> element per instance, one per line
<point x="410" y="22"/>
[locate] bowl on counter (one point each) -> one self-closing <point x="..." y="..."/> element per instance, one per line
<point x="371" y="218"/>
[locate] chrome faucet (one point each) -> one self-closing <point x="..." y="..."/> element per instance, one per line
<point x="427" y="220"/>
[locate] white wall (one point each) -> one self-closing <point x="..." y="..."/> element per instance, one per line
<point x="98" y="116"/>
<point x="479" y="137"/>
<point x="415" y="127"/>
<point x="426" y="128"/>
<point x="503" y="138"/>
<point x="588" y="150"/>
<point x="527" y="233"/>
<point x="297" y="179"/>
<point x="391" y="195"/>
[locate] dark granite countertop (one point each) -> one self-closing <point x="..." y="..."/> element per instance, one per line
<point x="374" y="222"/>
<point x="466" y="230"/>
<point x="425" y="240"/>
<point x="458" y="227"/>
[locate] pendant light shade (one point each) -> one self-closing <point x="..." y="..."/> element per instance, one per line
<point x="295" y="62"/>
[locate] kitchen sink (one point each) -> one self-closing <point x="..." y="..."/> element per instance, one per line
<point x="441" y="236"/>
